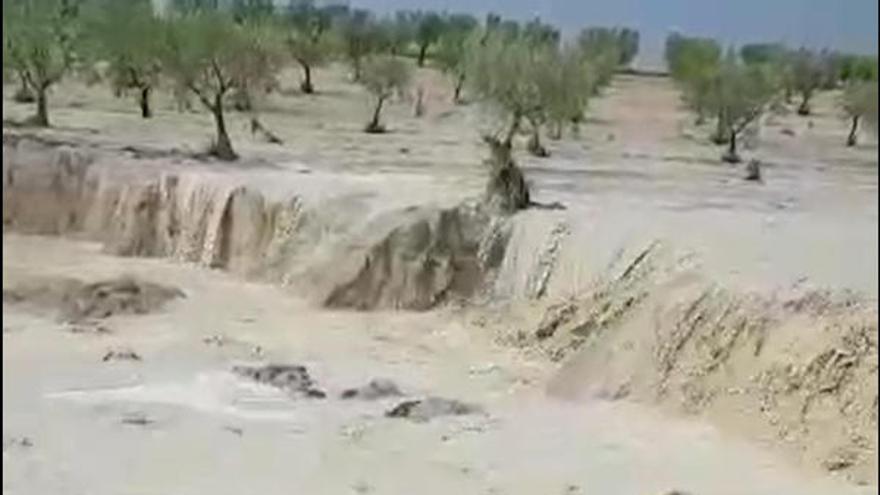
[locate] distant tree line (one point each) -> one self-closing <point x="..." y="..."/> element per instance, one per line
<point x="226" y="55"/>
<point x="735" y="88"/>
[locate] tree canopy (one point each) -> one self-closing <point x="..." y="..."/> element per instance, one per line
<point x="39" y="41"/>
<point x="208" y="54"/>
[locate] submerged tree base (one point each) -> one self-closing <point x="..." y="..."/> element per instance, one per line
<point x="507" y="190"/>
<point x="537" y="149"/>
<point x="222" y="151"/>
<point x="375" y="128"/>
<point x="753" y="171"/>
<point x="731" y="157"/>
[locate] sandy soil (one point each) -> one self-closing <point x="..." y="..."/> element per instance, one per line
<point x="178" y="421"/>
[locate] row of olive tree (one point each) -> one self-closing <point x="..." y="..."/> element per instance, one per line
<point x="202" y="51"/>
<point x="737" y="88"/>
<point x="530" y="79"/>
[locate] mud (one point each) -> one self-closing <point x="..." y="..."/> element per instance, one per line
<point x="293" y="379"/>
<point x="78" y="302"/>
<point x="379" y="388"/>
<point x="424" y="410"/>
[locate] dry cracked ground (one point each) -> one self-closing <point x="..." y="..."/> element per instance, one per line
<point x="336" y="315"/>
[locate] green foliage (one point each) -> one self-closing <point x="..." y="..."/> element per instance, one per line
<point x="566" y="83"/>
<point x="858" y="68"/>
<point x="694" y="64"/>
<point x="739" y="95"/>
<point x="501" y="68"/>
<point x="252" y="10"/>
<point x="763" y="53"/>
<point x="192" y="6"/>
<point x="39" y="38"/>
<point x="622" y="44"/>
<point x="398" y="33"/>
<point x="451" y="50"/>
<point x="689" y="57"/>
<point x="385" y="74"/>
<point x="361" y="35"/>
<point x="210" y="55"/>
<point x="429" y="27"/>
<point x="536" y="32"/>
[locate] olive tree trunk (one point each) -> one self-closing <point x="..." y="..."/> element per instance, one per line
<point x="534" y="145"/>
<point x="721" y="134"/>
<point x="804" y="107"/>
<point x="853" y="131"/>
<point x="222" y="148"/>
<point x="731" y="155"/>
<point x="306" y="85"/>
<point x="374" y="126"/>
<point x="144" y="102"/>
<point x="459" y="85"/>
<point x="41" y="119"/>
<point x="423" y="53"/>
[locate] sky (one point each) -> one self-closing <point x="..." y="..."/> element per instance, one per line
<point x="846" y="25"/>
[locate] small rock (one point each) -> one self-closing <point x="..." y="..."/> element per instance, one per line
<point x="840" y="460"/>
<point x="217" y="340"/>
<point x="234" y="430"/>
<point x="23" y="442"/>
<point x="121" y="355"/>
<point x="137" y="419"/>
<point x="376" y="389"/>
<point x="88" y="328"/>
<point x="422" y="410"/>
<point x="291" y="378"/>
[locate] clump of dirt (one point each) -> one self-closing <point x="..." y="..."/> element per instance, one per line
<point x="379" y="388"/>
<point x="291" y="378"/>
<point x="76" y="301"/>
<point x="422" y="410"/>
<point x="121" y="354"/>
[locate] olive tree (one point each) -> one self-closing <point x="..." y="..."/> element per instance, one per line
<point x="858" y="68"/>
<point x="740" y="95"/>
<point x="566" y="86"/>
<point x="398" y="32"/>
<point x="501" y="73"/>
<point x="383" y="75"/>
<point x="808" y="75"/>
<point x="860" y="103"/>
<point x="693" y="63"/>
<point x="311" y="41"/>
<point x="208" y="54"/>
<point x="451" y="50"/>
<point x="127" y="35"/>
<point x="606" y="50"/>
<point x="360" y="35"/>
<point x="39" y="38"/>
<point x="429" y="27"/>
